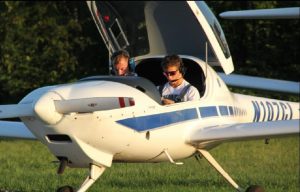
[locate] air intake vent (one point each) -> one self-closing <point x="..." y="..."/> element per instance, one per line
<point x="59" y="138"/>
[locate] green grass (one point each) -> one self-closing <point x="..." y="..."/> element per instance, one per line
<point x="27" y="166"/>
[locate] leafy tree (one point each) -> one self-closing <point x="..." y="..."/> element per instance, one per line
<point x="45" y="43"/>
<point x="267" y="48"/>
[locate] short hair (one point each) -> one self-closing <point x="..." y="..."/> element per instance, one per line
<point x="116" y="56"/>
<point x="173" y="60"/>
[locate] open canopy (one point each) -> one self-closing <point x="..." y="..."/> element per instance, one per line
<point x="150" y="28"/>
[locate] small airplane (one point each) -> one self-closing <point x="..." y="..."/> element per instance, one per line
<point x="104" y="119"/>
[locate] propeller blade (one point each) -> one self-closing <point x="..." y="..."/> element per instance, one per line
<point x="16" y="110"/>
<point x="15" y="130"/>
<point x="87" y="105"/>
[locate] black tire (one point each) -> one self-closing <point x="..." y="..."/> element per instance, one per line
<point x="65" y="189"/>
<point x="255" y="188"/>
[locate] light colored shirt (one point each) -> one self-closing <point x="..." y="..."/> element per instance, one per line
<point x="191" y="94"/>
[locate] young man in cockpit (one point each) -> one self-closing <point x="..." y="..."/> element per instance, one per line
<point x="121" y="63"/>
<point x="177" y="89"/>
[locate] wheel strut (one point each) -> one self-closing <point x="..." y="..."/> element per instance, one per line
<point x="95" y="173"/>
<point x="218" y="167"/>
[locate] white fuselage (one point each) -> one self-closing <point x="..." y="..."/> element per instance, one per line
<point x="143" y="131"/>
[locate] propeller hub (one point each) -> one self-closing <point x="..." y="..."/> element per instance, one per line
<point x="45" y="108"/>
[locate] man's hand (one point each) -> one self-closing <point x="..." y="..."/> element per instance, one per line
<point x="167" y="101"/>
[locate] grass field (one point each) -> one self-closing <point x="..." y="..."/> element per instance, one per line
<point x="27" y="166"/>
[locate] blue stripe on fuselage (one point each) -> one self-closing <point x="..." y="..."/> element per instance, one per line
<point x="223" y="110"/>
<point x="209" y="111"/>
<point x="158" y="120"/>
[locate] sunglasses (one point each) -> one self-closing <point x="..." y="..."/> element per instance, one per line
<point x="170" y="73"/>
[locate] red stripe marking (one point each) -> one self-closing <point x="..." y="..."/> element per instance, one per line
<point x="121" y="102"/>
<point x="131" y="102"/>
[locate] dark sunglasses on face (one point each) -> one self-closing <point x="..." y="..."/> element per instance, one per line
<point x="170" y="73"/>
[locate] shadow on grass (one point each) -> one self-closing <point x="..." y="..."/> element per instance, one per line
<point x="156" y="183"/>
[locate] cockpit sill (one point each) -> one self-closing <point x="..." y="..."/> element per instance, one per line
<point x="149" y="76"/>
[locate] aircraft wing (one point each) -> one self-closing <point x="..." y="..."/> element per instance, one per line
<point x="276" y="13"/>
<point x="261" y="83"/>
<point x="10" y="129"/>
<point x="212" y="136"/>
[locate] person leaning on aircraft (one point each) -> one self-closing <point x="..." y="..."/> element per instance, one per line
<point x="122" y="64"/>
<point x="177" y="89"/>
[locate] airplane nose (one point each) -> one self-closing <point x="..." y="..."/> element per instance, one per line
<point x="44" y="108"/>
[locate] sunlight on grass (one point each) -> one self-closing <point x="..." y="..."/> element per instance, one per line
<point x="27" y="166"/>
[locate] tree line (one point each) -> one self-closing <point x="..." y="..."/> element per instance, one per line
<point x="52" y="42"/>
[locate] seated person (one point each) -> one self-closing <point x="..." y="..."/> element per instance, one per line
<point x="177" y="89"/>
<point x="122" y="64"/>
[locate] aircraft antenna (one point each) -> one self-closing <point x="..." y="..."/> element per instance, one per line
<point x="206" y="54"/>
<point x="206" y="61"/>
<point x="110" y="67"/>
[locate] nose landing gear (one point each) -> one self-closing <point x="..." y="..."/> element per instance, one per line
<point x="95" y="172"/>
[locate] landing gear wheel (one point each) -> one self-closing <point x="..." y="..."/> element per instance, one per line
<point x="65" y="189"/>
<point x="255" y="188"/>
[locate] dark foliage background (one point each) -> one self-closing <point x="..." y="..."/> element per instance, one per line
<point x="46" y="43"/>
